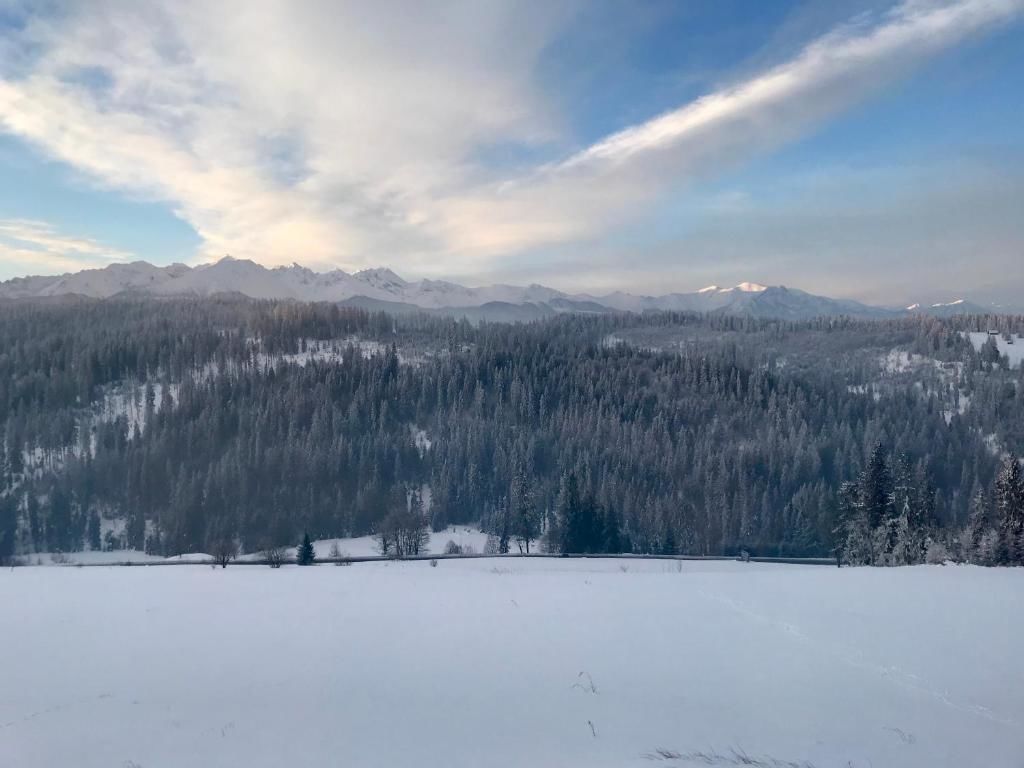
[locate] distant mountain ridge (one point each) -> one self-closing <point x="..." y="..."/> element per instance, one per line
<point x="381" y="288"/>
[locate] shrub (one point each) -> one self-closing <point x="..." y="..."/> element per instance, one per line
<point x="937" y="553"/>
<point x="274" y="556"/>
<point x="451" y="548"/>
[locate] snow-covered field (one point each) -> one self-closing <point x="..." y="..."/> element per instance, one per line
<point x="363" y="546"/>
<point x="510" y="663"/>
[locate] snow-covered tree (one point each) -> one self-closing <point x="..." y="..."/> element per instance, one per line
<point x="1009" y="503"/>
<point x="525" y="514"/>
<point x="306" y="554"/>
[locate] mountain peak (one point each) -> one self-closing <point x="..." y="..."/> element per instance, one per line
<point x="380" y="276"/>
<point x="744" y="287"/>
<point x="230" y="262"/>
<point x="383" y="287"/>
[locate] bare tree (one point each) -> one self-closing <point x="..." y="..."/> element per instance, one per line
<point x="274" y="555"/>
<point x="405" y="531"/>
<point x="414" y="534"/>
<point x="386" y="537"/>
<point x="224" y="550"/>
<point x="451" y="548"/>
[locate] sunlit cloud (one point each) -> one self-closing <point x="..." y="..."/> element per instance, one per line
<point x="608" y="182"/>
<point x="39" y="248"/>
<point x="346" y="135"/>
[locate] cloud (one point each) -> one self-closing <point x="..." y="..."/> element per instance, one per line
<point x="889" y="234"/>
<point x="608" y="182"/>
<point x="34" y="246"/>
<point x="346" y="134"/>
<point x="319" y="136"/>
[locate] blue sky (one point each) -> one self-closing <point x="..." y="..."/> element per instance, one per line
<point x="866" y="149"/>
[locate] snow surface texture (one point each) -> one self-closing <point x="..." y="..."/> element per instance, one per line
<point x="537" y="663"/>
<point x="1015" y="351"/>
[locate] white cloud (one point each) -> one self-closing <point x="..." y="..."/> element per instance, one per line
<point x="28" y="246"/>
<point x="344" y="134"/>
<point x="607" y="182"/>
<point x="320" y="135"/>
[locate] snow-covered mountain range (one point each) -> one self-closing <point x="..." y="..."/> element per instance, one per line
<point x="383" y="289"/>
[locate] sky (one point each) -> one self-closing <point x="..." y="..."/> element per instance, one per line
<point x="863" y="149"/>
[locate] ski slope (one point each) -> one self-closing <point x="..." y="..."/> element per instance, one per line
<point x="510" y="662"/>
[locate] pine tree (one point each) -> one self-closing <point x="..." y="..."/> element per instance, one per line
<point x="1009" y="502"/>
<point x="569" y="516"/>
<point x="612" y="532"/>
<point x="876" y="489"/>
<point x="901" y="548"/>
<point x="504" y="532"/>
<point x="94" y="531"/>
<point x="8" y="527"/>
<point x="591" y="526"/>
<point x="668" y="539"/>
<point x="525" y="515"/>
<point x="852" y="532"/>
<point x="5" y="472"/>
<point x="306" y="554"/>
<point x="979" y="533"/>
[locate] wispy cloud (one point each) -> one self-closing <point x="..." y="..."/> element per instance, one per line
<point x="827" y="75"/>
<point x="609" y="181"/>
<point x="318" y="133"/>
<point x="345" y="136"/>
<point x="37" y="247"/>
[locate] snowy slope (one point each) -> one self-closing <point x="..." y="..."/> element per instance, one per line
<point x="383" y="289"/>
<point x="507" y="663"/>
<point x="954" y="307"/>
<point x="97" y="283"/>
<point x="1014" y="351"/>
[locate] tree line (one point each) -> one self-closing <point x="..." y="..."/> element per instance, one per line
<point x="233" y="431"/>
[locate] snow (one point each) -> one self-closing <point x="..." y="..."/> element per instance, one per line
<point x="102" y="557"/>
<point x="366" y="546"/>
<point x="1014" y="351"/>
<point x="421" y="439"/>
<point x="511" y="662"/>
<point x="954" y="303"/>
<point x="129" y="400"/>
<point x="744" y="287"/>
<point x="297" y="282"/>
<point x="747" y="288"/>
<point x="901" y="361"/>
<point x="362" y="546"/>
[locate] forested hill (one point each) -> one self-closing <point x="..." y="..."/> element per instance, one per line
<point x="176" y="424"/>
